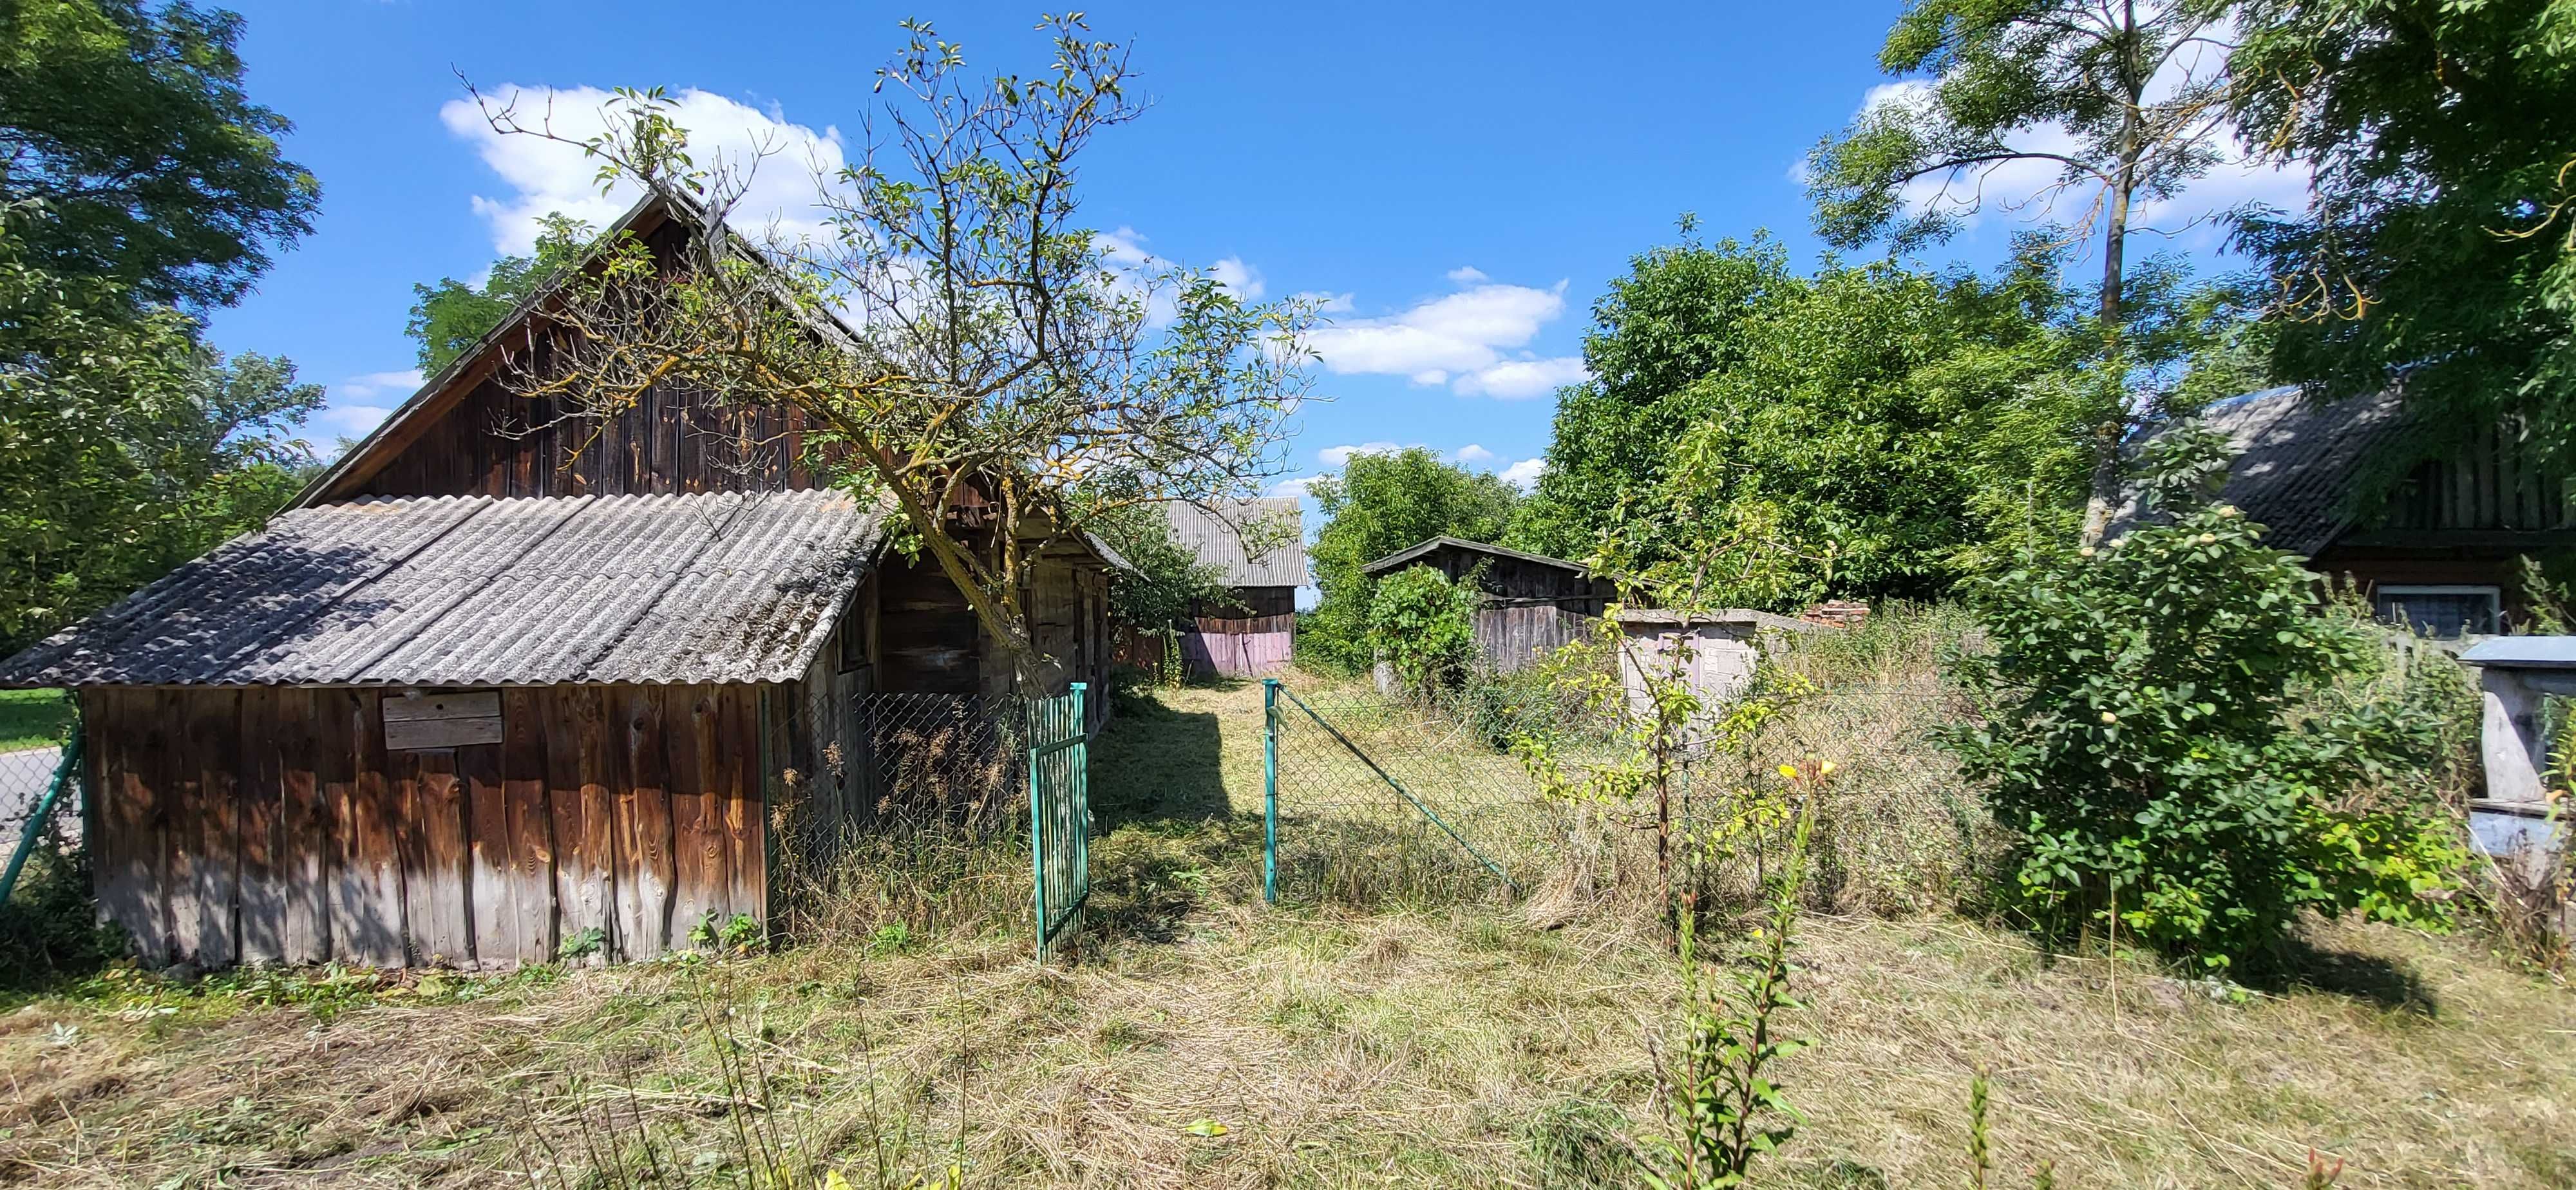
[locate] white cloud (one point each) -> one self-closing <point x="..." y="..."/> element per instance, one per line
<point x="347" y="421"/>
<point x="1524" y="474"/>
<point x="1326" y="303"/>
<point x="1335" y="456"/>
<point x="1459" y="339"/>
<point x="1467" y="274"/>
<point x="1520" y="379"/>
<point x="377" y="384"/>
<point x="1297" y="487"/>
<point x="724" y="134"/>
<point x="1472" y="453"/>
<point x="2028" y="190"/>
<point x="1239" y="277"/>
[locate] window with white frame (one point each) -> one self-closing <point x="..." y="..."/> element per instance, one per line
<point x="2442" y="610"/>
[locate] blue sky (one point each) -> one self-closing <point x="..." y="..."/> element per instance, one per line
<point x="1462" y="181"/>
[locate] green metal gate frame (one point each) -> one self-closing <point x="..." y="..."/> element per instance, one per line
<point x="1059" y="815"/>
<point x="1271" y="689"/>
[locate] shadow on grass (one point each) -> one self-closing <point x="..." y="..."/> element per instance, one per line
<point x="2388" y="983"/>
<point x="1164" y="836"/>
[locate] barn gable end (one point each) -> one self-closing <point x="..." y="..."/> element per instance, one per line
<point x="465" y="433"/>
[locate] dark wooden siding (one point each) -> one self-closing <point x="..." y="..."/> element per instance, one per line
<point x="493" y="442"/>
<point x="272" y="824"/>
<point x="1249" y="609"/>
<point x="2494" y="484"/>
<point x="930" y="638"/>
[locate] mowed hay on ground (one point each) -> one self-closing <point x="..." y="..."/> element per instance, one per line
<point x="1424" y="1046"/>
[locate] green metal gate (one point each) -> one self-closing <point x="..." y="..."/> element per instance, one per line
<point x="1059" y="815"/>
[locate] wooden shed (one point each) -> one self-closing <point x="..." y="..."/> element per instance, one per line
<point x="1259" y="546"/>
<point x="476" y="695"/>
<point x="1533" y="604"/>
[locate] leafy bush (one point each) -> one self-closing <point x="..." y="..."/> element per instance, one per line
<point x="2154" y="723"/>
<point x="1425" y="626"/>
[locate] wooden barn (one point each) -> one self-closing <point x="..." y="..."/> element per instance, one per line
<point x="477" y="694"/>
<point x="1533" y="604"/>
<point x="1260" y="547"/>
<point x="2441" y="551"/>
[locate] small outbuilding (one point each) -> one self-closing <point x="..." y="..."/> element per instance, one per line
<point x="1259" y="547"/>
<point x="2514" y="822"/>
<point x="1714" y="653"/>
<point x="502" y="682"/>
<point x="1533" y="604"/>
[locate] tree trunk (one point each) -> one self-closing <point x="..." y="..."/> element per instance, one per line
<point x="2104" y="498"/>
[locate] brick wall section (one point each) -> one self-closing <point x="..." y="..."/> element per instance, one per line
<point x="1839" y="613"/>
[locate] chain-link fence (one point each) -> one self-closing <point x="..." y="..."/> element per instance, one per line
<point x="46" y="911"/>
<point x="1384" y="799"/>
<point x="900" y="808"/>
<point x="1392" y="798"/>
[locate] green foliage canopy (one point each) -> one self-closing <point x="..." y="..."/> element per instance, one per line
<point x="1885" y="433"/>
<point x="2440" y="233"/>
<point x="153" y="169"/>
<point x="1678" y="315"/>
<point x="125" y="448"/>
<point x="2157" y="722"/>
<point x="450" y="316"/>
<point x="1379" y="504"/>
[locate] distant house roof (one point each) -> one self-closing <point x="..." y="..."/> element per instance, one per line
<point x="1407" y="556"/>
<point x="2296" y="460"/>
<point x="473" y="590"/>
<point x="1217" y="536"/>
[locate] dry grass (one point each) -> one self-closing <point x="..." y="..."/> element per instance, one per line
<point x="1419" y="1046"/>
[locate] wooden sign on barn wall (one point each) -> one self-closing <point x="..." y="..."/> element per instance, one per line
<point x="420" y="720"/>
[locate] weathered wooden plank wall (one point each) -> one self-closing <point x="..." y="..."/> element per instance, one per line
<point x="273" y="825"/>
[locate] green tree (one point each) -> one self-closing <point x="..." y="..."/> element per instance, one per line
<point x="1163" y="580"/>
<point x="2158" y="722"/>
<point x="129" y="125"/>
<point x="1677" y="316"/>
<point x="1883" y="434"/>
<point x="2440" y="233"/>
<point x="1379" y="504"/>
<point x="451" y="316"/>
<point x="125" y="449"/>
<point x="2121" y="103"/>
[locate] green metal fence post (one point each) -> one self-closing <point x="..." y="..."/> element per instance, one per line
<point x="1270" y="790"/>
<point x="1037" y="824"/>
<point x="1082" y="793"/>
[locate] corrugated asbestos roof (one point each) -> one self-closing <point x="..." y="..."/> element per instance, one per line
<point x="473" y="590"/>
<point x="2296" y="460"/>
<point x="1217" y="537"/>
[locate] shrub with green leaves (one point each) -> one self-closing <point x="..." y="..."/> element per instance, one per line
<point x="2157" y="723"/>
<point x="1425" y="626"/>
